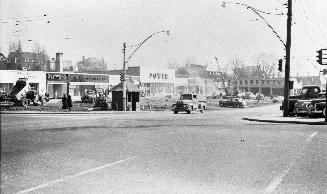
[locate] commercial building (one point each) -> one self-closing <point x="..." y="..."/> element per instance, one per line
<point x="157" y="82"/>
<point x="266" y="86"/>
<point x="36" y="79"/>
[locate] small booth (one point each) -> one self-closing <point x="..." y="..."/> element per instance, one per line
<point x="132" y="97"/>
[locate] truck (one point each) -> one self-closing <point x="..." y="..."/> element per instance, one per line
<point x="307" y="93"/>
<point x="20" y="94"/>
<point x="189" y="103"/>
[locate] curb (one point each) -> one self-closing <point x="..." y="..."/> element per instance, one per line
<point x="75" y="113"/>
<point x="291" y="122"/>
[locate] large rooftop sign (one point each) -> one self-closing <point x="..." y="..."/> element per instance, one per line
<point x="148" y="75"/>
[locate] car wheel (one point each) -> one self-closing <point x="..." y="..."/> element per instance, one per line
<point x="175" y="112"/>
<point x="324" y="112"/>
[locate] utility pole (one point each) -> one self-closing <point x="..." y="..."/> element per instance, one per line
<point x="124" y="77"/>
<point x="288" y="59"/>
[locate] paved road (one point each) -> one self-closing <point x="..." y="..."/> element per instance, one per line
<point x="159" y="152"/>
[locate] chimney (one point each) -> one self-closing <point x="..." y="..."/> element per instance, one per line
<point x="59" y="63"/>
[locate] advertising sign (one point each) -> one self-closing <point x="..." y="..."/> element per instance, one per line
<point x="56" y="77"/>
<point x="149" y="75"/>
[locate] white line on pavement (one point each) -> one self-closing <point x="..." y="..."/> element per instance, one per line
<point x="278" y="179"/>
<point x="75" y="175"/>
<point x="225" y="130"/>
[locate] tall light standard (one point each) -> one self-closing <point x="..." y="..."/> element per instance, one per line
<point x="126" y="61"/>
<point x="287" y="46"/>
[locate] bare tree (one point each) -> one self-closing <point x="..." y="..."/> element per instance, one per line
<point x="238" y="69"/>
<point x="264" y="65"/>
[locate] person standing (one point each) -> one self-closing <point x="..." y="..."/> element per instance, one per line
<point x="70" y="102"/>
<point x="64" y="102"/>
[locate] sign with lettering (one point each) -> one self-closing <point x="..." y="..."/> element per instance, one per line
<point x="152" y="75"/>
<point x="56" y="77"/>
<point x="158" y="76"/>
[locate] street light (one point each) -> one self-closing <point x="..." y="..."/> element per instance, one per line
<point x="287" y="45"/>
<point x="126" y="61"/>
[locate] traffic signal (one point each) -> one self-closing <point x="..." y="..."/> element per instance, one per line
<point x="280" y="65"/>
<point x="319" y="56"/>
<point x="121" y="77"/>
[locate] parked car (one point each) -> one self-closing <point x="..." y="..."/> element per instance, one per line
<point x="308" y="92"/>
<point x="233" y="102"/>
<point x="88" y="97"/>
<point x="277" y="99"/>
<point x="301" y="107"/>
<point x="249" y="95"/>
<point x="188" y="103"/>
<point x="317" y="108"/>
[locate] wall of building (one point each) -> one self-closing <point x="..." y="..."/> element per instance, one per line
<point x="36" y="79"/>
<point x="157" y="82"/>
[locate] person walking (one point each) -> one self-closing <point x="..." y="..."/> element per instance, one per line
<point x="64" y="102"/>
<point x="70" y="102"/>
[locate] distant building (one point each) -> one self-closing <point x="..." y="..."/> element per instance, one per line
<point x="3" y="62"/>
<point x="28" y="61"/>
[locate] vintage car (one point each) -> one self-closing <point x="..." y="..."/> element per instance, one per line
<point x="308" y="92"/>
<point x="277" y="99"/>
<point x="317" y="108"/>
<point x="233" y="102"/>
<point x="88" y="97"/>
<point x="301" y="107"/>
<point x="189" y="103"/>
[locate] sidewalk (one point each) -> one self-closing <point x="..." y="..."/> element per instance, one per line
<point x="272" y="114"/>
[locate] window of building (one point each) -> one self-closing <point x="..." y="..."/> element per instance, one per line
<point x="251" y="82"/>
<point x="246" y="82"/>
<point x="268" y="81"/>
<point x="262" y="81"/>
<point x="257" y="82"/>
<point x="240" y="82"/>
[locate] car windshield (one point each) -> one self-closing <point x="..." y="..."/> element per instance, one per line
<point x="186" y="97"/>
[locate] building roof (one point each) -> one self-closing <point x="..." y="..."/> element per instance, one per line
<point x="130" y="87"/>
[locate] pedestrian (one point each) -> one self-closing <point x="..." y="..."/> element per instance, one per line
<point x="64" y="102"/>
<point x="70" y="102"/>
<point x="56" y="94"/>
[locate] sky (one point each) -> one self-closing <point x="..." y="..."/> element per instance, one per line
<point x="199" y="30"/>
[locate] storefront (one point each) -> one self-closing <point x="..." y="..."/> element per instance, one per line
<point x="56" y="84"/>
<point x="80" y="83"/>
<point x="36" y="80"/>
<point x="76" y="84"/>
<point x="157" y="82"/>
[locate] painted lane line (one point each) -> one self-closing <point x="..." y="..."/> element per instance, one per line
<point x="225" y="130"/>
<point x="75" y="175"/>
<point x="278" y="179"/>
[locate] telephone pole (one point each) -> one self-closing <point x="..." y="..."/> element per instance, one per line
<point x="124" y="77"/>
<point x="288" y="59"/>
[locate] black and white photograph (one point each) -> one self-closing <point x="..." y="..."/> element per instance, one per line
<point x="163" y="96"/>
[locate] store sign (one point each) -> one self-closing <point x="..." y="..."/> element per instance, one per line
<point x="25" y="74"/>
<point x="158" y="76"/>
<point x="56" y="77"/>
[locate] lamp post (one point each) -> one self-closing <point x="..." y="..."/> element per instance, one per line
<point x="126" y="61"/>
<point x="287" y="46"/>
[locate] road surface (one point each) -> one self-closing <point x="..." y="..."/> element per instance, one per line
<point x="159" y="152"/>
